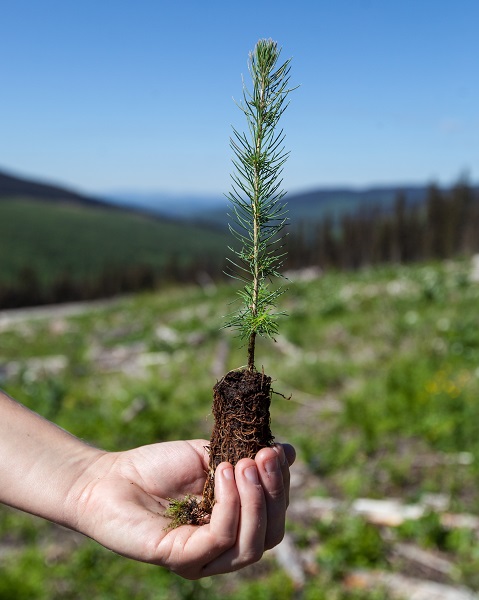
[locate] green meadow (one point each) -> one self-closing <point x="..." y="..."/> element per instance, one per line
<point x="379" y="375"/>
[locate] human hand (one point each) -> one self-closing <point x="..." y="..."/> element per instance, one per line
<point x="121" y="498"/>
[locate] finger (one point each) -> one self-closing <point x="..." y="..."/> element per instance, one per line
<point x="249" y="546"/>
<point x="287" y="456"/>
<point x="289" y="451"/>
<point x="193" y="549"/>
<point x="271" y="476"/>
<point x="226" y="510"/>
<point x="253" y="516"/>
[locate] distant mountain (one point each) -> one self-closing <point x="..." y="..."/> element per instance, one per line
<point x="303" y="207"/>
<point x="335" y="201"/>
<point x="313" y="204"/>
<point x="12" y="186"/>
<point x="164" y="204"/>
<point x="157" y="204"/>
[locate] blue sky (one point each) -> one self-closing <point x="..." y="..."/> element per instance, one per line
<point x="120" y="94"/>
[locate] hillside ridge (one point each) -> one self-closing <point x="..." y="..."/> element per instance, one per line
<point x="16" y="186"/>
<point x="312" y="203"/>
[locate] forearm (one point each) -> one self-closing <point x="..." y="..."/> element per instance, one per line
<point x="39" y="463"/>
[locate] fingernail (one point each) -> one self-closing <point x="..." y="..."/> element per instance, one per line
<point x="251" y="475"/>
<point x="228" y="474"/>
<point x="272" y="465"/>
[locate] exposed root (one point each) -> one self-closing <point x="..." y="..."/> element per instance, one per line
<point x="186" y="511"/>
<point x="242" y="427"/>
<point x="241" y="405"/>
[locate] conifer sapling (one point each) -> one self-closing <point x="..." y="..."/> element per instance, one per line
<point x="242" y="397"/>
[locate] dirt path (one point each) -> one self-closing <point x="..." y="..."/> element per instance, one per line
<point x="18" y="315"/>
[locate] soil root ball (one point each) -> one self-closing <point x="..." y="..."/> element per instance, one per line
<point x="241" y="403"/>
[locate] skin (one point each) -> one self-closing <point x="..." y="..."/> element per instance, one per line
<point x="119" y="498"/>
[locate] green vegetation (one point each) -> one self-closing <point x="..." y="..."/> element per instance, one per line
<point x="54" y="239"/>
<point x="59" y="252"/>
<point x="382" y="365"/>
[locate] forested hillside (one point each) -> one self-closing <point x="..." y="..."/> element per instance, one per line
<point x="57" y="246"/>
<point x="61" y="251"/>
<point x="444" y="225"/>
<point x="12" y="186"/>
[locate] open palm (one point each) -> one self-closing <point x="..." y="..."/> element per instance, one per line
<point x="123" y="496"/>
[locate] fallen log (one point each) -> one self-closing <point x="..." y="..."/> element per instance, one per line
<point x="387" y="512"/>
<point x="426" y="560"/>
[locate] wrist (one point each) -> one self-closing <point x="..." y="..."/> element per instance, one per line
<point x="40" y="463"/>
<point x="79" y="472"/>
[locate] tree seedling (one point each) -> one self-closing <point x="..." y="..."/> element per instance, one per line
<point x="241" y="404"/>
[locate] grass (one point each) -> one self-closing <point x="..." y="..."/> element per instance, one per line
<point x="383" y="370"/>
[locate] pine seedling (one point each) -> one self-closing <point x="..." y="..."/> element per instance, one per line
<point x="257" y="198"/>
<point x="242" y="397"/>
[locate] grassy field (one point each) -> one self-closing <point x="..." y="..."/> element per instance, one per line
<point x="383" y="369"/>
<point x="54" y="238"/>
